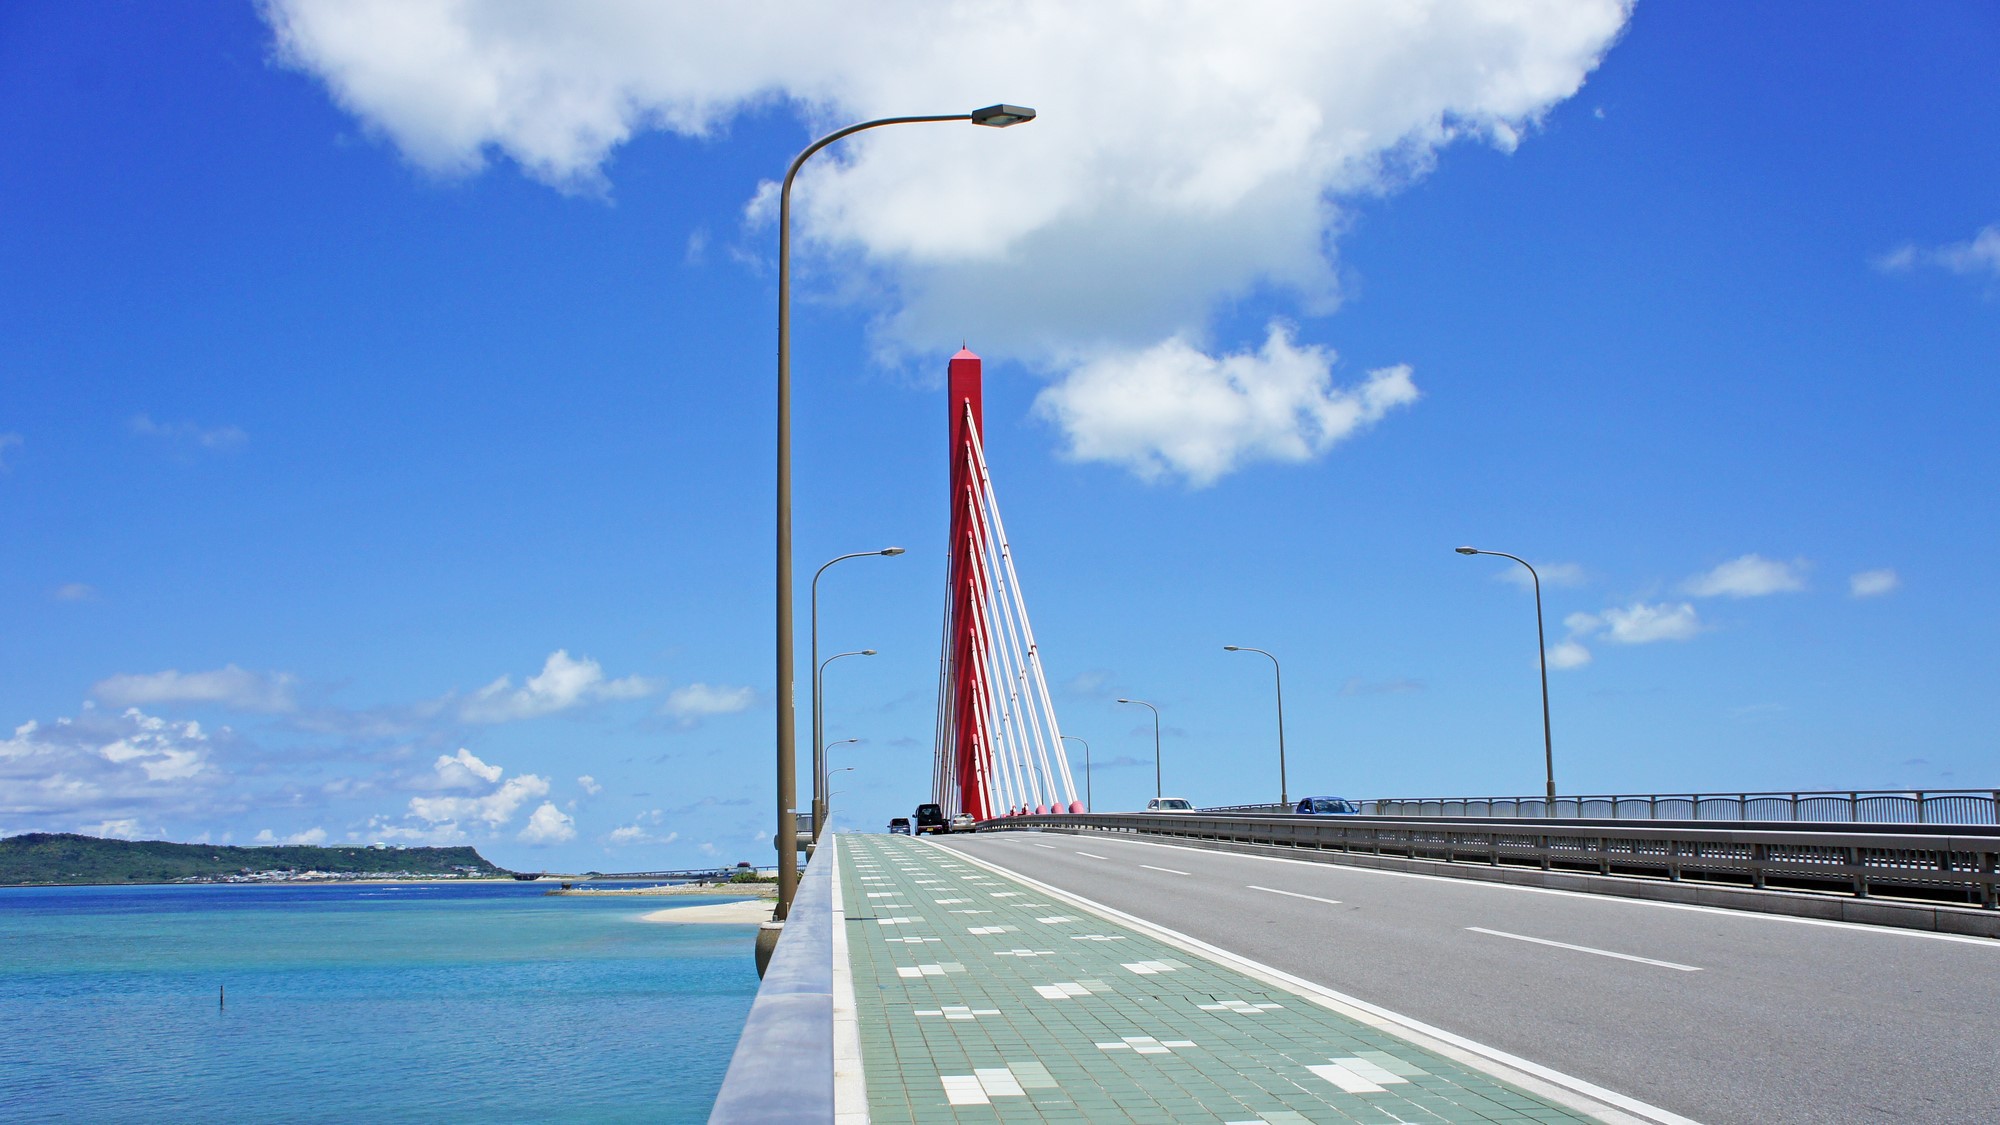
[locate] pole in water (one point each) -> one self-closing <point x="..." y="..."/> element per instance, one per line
<point x="221" y="1001"/>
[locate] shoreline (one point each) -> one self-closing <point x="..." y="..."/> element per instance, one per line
<point x="742" y="912"/>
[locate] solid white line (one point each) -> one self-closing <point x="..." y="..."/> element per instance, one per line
<point x="1168" y="870"/>
<point x="1051" y="847"/>
<point x="1722" y="911"/>
<point x="1293" y="894"/>
<point x="1586" y="949"/>
<point x="1546" y="1081"/>
<point x="1093" y="856"/>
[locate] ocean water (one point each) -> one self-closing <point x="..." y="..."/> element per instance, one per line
<point x="362" y="1003"/>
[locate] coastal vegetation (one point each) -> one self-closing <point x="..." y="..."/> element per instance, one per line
<point x="63" y="857"/>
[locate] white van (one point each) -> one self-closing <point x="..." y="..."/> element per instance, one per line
<point x="1170" y="804"/>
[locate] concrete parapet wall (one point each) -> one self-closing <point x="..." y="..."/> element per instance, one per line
<point x="1833" y="908"/>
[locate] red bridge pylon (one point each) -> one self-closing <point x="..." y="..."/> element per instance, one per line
<point x="999" y="751"/>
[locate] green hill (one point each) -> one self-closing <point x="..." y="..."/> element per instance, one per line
<point x="45" y="857"/>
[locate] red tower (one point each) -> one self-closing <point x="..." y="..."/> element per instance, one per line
<point x="967" y="655"/>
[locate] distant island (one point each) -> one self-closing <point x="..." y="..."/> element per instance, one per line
<point x="63" y="857"/>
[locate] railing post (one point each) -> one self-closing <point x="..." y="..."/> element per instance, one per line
<point x="1854" y="808"/>
<point x="1758" y="854"/>
<point x="1795" y="807"/>
<point x="1920" y="806"/>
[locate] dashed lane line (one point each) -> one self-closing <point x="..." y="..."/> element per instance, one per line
<point x="1289" y="894"/>
<point x="1587" y="949"/>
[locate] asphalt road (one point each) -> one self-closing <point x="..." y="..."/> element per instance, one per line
<point x="1722" y="1016"/>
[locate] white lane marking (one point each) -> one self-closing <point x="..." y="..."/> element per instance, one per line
<point x="1586" y="896"/>
<point x="1291" y="894"/>
<point x="1544" y="1080"/>
<point x="1586" y="949"/>
<point x="1092" y="856"/>
<point x="1168" y="870"/>
<point x="1051" y="847"/>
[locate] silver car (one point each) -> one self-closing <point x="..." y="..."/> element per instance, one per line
<point x="963" y="822"/>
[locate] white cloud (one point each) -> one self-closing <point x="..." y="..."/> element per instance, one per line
<point x="464" y="770"/>
<point x="698" y="701"/>
<point x="117" y="768"/>
<point x="215" y="438"/>
<point x="126" y="828"/>
<point x="1568" y="654"/>
<point x="494" y="809"/>
<point x="628" y="835"/>
<point x="548" y="825"/>
<point x="229" y="686"/>
<point x="589" y="785"/>
<point x="563" y="682"/>
<point x="1752" y="576"/>
<point x="1174" y="409"/>
<point x="1873" y="583"/>
<point x="1181" y="162"/>
<point x="313" y="836"/>
<point x="1978" y="256"/>
<point x="1639" y="623"/>
<point x="74" y="592"/>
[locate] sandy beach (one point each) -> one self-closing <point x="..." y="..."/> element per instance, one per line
<point x="746" y="912"/>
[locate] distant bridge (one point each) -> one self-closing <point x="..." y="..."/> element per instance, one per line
<point x="692" y="875"/>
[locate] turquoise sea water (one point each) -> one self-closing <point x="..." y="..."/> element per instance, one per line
<point x="373" y="1003"/>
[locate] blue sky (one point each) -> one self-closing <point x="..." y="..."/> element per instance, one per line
<point x="388" y="458"/>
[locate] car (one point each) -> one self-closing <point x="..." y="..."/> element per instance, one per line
<point x="1327" y="806"/>
<point x="900" y="826"/>
<point x="1170" y="804"/>
<point x="963" y="822"/>
<point x="930" y="819"/>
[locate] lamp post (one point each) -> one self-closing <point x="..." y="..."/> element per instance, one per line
<point x="1541" y="650"/>
<point x="829" y="778"/>
<point x="819" y="732"/>
<point x="1284" y="790"/>
<point x="1157" y="792"/>
<point x="998" y="116"/>
<point x="1087" y="805"/>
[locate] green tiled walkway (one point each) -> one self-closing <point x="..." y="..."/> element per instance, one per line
<point x="980" y="999"/>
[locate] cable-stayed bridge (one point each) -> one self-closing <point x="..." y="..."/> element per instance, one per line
<point x="1666" y="958"/>
<point x="999" y="746"/>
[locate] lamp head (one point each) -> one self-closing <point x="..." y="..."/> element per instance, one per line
<point x="1001" y="116"/>
<point x="1232" y="648"/>
<point x="867" y="652"/>
<point x="1467" y="550"/>
<point x="892" y="550"/>
<point x="1124" y="701"/>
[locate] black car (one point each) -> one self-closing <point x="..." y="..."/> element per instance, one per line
<point x="930" y="818"/>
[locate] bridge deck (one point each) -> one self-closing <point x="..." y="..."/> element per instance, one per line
<point x="979" y="998"/>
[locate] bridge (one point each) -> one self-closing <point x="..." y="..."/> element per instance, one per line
<point x="1662" y="958"/>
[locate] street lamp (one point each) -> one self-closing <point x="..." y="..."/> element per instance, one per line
<point x="1284" y="791"/>
<point x="1541" y="650"/>
<point x="1087" y="806"/>
<point x="829" y="777"/>
<point x="1157" y="792"/>
<point x="998" y="116"/>
<point x="819" y="729"/>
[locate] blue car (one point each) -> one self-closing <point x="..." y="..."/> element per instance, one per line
<point x="1327" y="806"/>
<point x="900" y="826"/>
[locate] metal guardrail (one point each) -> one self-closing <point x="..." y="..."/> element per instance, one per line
<point x="782" y="1071"/>
<point x="1961" y="868"/>
<point x="1856" y="806"/>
